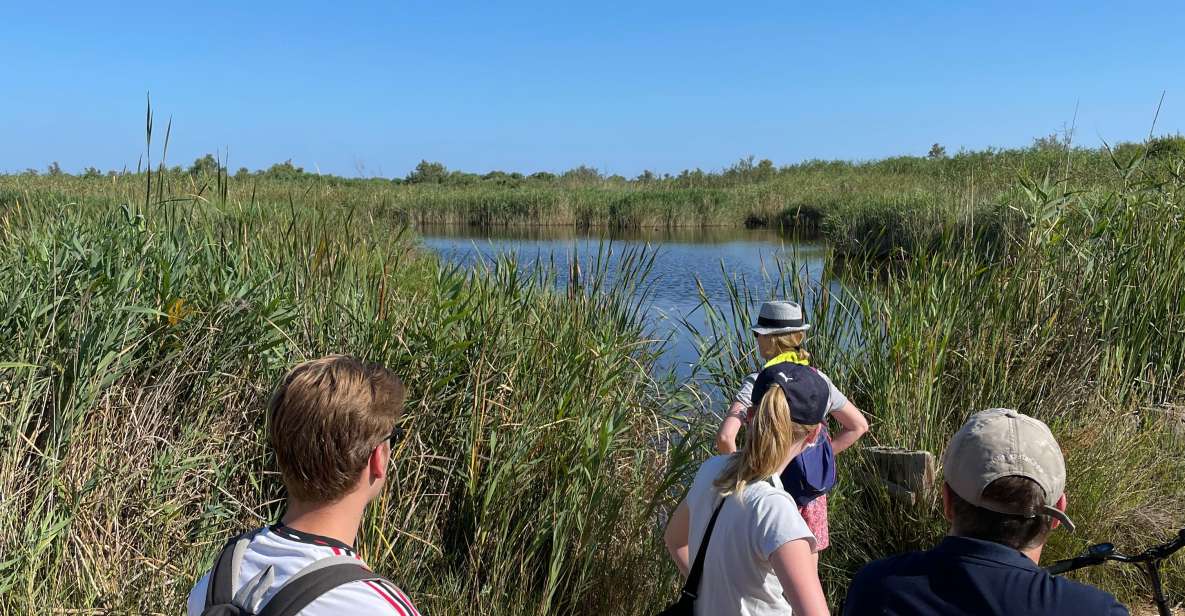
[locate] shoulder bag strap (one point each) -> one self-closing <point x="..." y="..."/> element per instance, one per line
<point x="220" y="584"/>
<point x="691" y="587"/>
<point x="307" y="586"/>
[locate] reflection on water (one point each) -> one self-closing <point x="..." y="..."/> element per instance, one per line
<point x="681" y="257"/>
<point x="660" y="235"/>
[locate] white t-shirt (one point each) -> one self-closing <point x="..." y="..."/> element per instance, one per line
<point x="738" y="578"/>
<point x="288" y="551"/>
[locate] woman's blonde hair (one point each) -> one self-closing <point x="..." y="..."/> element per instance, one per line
<point x="771" y="436"/>
<point x="783" y="343"/>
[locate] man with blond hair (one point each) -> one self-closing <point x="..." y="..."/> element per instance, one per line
<point x="331" y="422"/>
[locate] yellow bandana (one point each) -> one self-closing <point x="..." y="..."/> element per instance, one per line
<point x="790" y="356"/>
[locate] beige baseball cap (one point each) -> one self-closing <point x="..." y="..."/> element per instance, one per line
<point x="1003" y="443"/>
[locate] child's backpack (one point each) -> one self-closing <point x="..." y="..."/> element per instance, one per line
<point x="811" y="473"/>
<point x="316" y="579"/>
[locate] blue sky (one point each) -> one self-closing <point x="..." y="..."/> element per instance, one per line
<point x="372" y="88"/>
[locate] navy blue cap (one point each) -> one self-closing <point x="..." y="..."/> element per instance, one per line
<point x="805" y="390"/>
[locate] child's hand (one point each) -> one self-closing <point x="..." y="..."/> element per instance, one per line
<point x="726" y="437"/>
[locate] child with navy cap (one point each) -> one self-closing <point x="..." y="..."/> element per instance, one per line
<point x="780" y="332"/>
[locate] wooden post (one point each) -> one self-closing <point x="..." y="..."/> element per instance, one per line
<point x="907" y="475"/>
<point x="574" y="274"/>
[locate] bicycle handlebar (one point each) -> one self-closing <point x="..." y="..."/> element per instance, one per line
<point x="1098" y="554"/>
<point x="1072" y="564"/>
<point x="1164" y="550"/>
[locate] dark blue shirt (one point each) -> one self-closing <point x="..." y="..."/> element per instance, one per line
<point x="970" y="577"/>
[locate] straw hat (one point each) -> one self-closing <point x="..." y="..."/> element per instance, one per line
<point x="780" y="318"/>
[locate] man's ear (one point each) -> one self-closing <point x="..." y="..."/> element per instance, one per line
<point x="1060" y="505"/>
<point x="379" y="458"/>
<point x="948" y="508"/>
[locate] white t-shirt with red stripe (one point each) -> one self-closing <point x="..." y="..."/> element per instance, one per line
<point x="288" y="551"/>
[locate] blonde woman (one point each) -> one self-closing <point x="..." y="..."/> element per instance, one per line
<point x="759" y="559"/>
<point x="781" y="331"/>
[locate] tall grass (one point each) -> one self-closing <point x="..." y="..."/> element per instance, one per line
<point x="1079" y="321"/>
<point x="878" y="207"/>
<point x="142" y="330"/>
<point x="140" y="347"/>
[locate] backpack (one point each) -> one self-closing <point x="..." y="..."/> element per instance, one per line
<point x="811" y="473"/>
<point x="316" y="579"/>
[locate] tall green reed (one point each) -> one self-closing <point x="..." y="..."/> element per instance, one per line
<point x="140" y="351"/>
<point x="1076" y="320"/>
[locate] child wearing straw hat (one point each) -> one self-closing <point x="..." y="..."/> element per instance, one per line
<point x="781" y="331"/>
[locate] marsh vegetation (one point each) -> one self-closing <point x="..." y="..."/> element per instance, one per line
<point x="144" y="318"/>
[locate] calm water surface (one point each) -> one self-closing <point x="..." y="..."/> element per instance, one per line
<point x="680" y="257"/>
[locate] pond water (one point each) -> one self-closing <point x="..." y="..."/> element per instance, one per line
<point x="681" y="257"/>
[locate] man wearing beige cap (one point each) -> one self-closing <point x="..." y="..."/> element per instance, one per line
<point x="1004" y="493"/>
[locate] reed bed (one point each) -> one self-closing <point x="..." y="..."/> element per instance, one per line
<point x="143" y="327"/>
<point x="849" y="204"/>
<point x="140" y="344"/>
<point x="1079" y="320"/>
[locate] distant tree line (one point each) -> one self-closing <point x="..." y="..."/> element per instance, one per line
<point x="747" y="170"/>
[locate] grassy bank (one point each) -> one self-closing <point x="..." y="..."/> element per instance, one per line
<point x="881" y="208"/>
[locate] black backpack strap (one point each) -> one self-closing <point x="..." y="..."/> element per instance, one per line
<point x="315" y="580"/>
<point x="220" y="587"/>
<point x="691" y="587"/>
